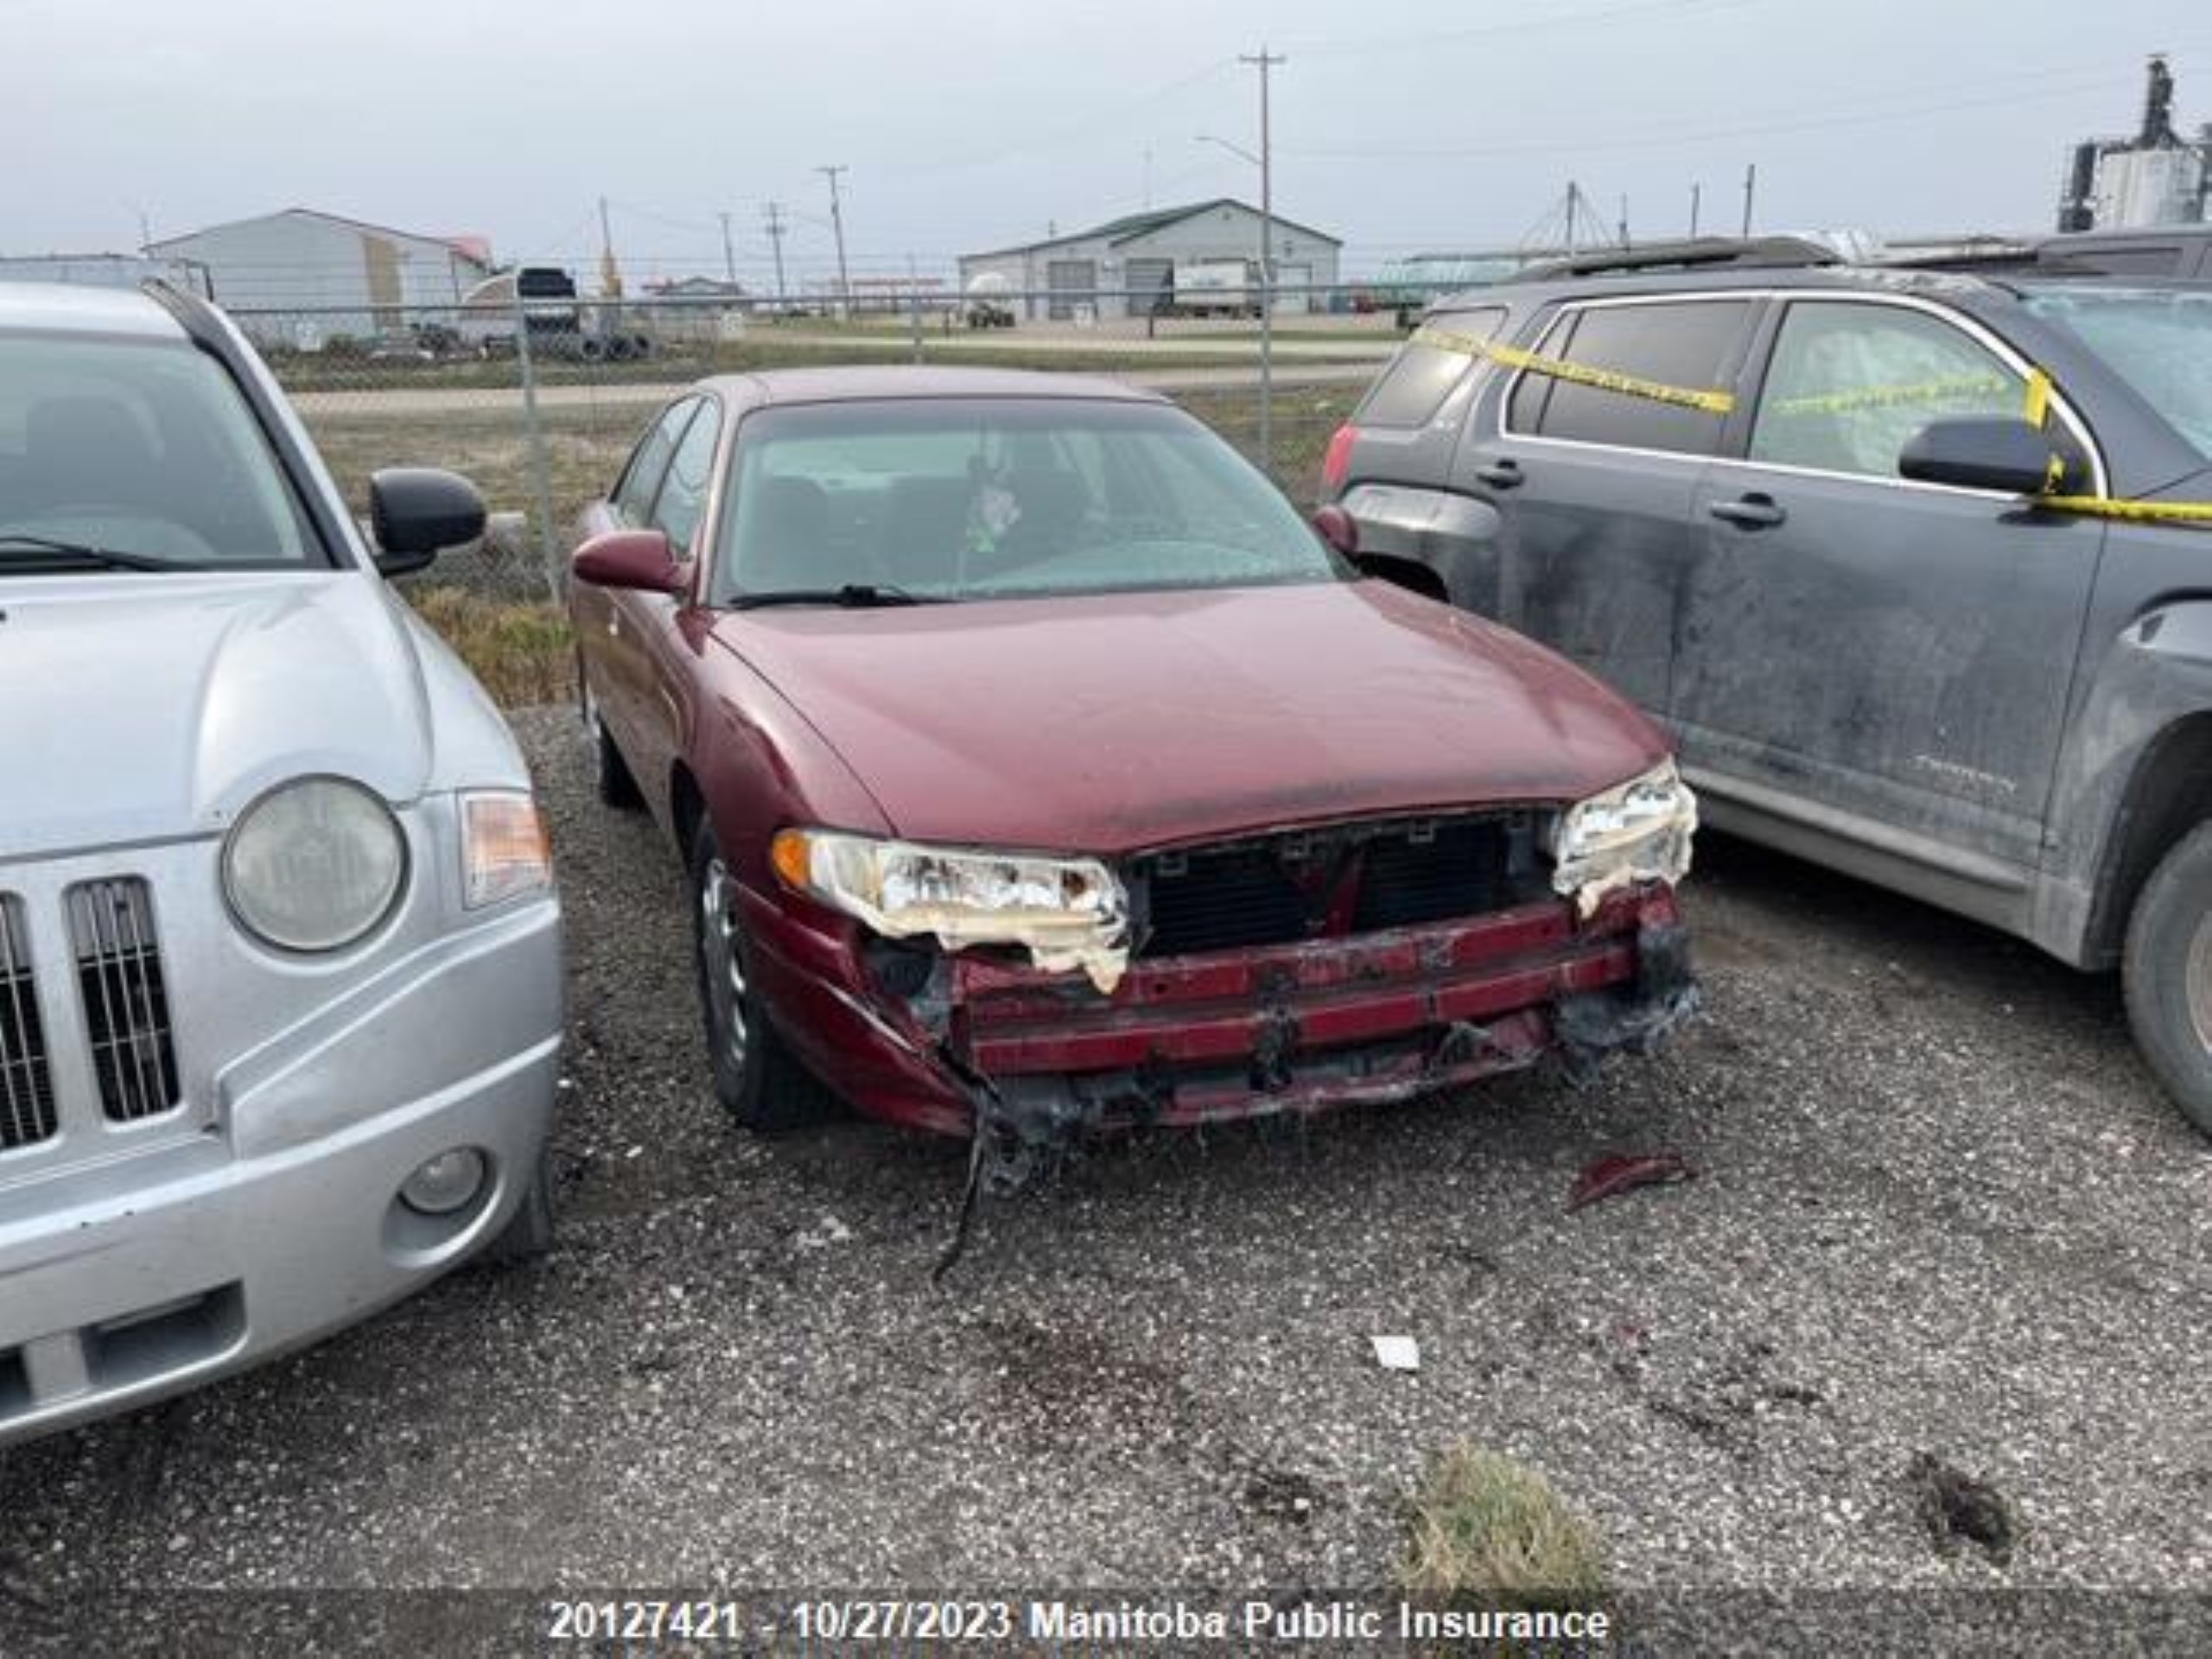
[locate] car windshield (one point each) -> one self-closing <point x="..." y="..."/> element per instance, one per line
<point x="136" y="454"/>
<point x="2159" y="340"/>
<point x="964" y="499"/>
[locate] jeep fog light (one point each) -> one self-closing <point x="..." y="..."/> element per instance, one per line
<point x="445" y="1183"/>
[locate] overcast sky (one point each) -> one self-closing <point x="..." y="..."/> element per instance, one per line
<point x="1399" y="124"/>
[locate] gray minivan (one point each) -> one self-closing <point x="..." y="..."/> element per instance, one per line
<point x="1871" y="543"/>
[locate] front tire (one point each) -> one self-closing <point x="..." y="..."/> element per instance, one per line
<point x="758" y="1079"/>
<point x="612" y="780"/>
<point x="528" y="1236"/>
<point x="2167" y="974"/>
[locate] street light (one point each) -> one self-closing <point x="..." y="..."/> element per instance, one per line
<point x="1267" y="274"/>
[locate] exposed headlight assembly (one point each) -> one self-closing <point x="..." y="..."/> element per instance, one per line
<point x="1635" y="831"/>
<point x="314" y="864"/>
<point x="1067" y="912"/>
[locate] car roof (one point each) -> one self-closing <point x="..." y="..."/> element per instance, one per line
<point x="1883" y="279"/>
<point x="82" y="309"/>
<point x="875" y="383"/>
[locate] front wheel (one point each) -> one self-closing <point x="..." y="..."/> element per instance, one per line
<point x="611" y="776"/>
<point x="758" y="1079"/>
<point x="2167" y="974"/>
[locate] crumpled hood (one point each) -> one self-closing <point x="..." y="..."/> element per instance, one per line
<point x="142" y="707"/>
<point x="1112" y="723"/>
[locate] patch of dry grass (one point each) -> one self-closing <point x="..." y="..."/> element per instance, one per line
<point x="522" y="650"/>
<point x="1489" y="1532"/>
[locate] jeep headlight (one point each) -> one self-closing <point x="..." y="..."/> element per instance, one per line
<point x="314" y="864"/>
<point x="1067" y="912"/>
<point x="1635" y="831"/>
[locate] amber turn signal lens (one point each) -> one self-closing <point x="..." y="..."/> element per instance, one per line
<point x="504" y="847"/>
<point x="793" y="860"/>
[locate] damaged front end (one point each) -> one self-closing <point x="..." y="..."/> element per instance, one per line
<point x="1035" y="1000"/>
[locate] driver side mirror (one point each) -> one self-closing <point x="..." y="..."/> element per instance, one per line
<point x="415" y="512"/>
<point x="642" y="561"/>
<point x="1982" y="451"/>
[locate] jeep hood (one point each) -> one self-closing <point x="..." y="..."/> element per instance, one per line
<point x="1115" y="722"/>
<point x="154" y="707"/>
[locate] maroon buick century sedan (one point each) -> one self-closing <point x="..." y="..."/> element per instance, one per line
<point x="1041" y="770"/>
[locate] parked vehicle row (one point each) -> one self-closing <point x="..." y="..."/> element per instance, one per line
<point x="1884" y="569"/>
<point x="1040" y="774"/>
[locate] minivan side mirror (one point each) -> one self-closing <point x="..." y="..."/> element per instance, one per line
<point x="642" y="560"/>
<point x="415" y="512"/>
<point x="1983" y="451"/>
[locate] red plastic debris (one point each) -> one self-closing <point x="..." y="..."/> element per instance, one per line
<point x="1610" y="1177"/>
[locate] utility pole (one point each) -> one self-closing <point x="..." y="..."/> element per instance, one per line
<point x="838" y="228"/>
<point x="1624" y="221"/>
<point x="773" y="213"/>
<point x="729" y="253"/>
<point x="610" y="274"/>
<point x="1751" y="188"/>
<point x="1264" y="62"/>
<point x="1696" y="192"/>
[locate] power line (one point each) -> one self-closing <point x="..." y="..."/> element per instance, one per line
<point x="1659" y="138"/>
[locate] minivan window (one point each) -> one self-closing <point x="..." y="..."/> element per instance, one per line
<point x="1422" y="375"/>
<point x="2159" y="340"/>
<point x="1689" y="344"/>
<point x="146" y="449"/>
<point x="633" y="497"/>
<point x="1850" y="385"/>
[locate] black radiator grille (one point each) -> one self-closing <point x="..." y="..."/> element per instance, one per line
<point x="26" y="1080"/>
<point x="1356" y="879"/>
<point x="126" y="1001"/>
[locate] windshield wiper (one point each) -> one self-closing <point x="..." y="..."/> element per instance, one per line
<point x="46" y="549"/>
<point x="853" y="597"/>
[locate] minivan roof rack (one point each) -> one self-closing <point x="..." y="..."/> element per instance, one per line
<point x="1703" y="253"/>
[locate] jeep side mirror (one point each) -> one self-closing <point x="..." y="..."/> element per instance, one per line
<point x="415" y="512"/>
<point x="1983" y="451"/>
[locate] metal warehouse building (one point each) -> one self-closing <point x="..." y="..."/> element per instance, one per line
<point x="1137" y="256"/>
<point x="341" y="276"/>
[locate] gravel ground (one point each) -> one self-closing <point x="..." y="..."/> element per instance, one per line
<point x="1940" y="1209"/>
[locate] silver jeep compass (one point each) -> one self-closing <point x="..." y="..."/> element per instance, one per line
<point x="280" y="967"/>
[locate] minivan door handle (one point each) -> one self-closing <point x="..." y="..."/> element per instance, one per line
<point x="1501" y="474"/>
<point x="1750" y="511"/>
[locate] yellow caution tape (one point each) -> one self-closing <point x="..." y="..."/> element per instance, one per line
<point x="2148" y="513"/>
<point x="2036" y="412"/>
<point x="1924" y="391"/>
<point x="1579" y="374"/>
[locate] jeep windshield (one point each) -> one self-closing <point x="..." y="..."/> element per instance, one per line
<point x="136" y="456"/>
<point x="2159" y="340"/>
<point x="998" y="498"/>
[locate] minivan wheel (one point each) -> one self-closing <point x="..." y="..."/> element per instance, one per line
<point x="611" y="779"/>
<point x="2167" y="972"/>
<point x="757" y="1077"/>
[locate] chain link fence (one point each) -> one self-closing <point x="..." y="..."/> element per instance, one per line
<point x="540" y="402"/>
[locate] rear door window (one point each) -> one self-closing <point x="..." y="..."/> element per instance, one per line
<point x="1422" y="375"/>
<point x="683" y="499"/>
<point x="1849" y="383"/>
<point x="1687" y="344"/>
<point x="641" y="479"/>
